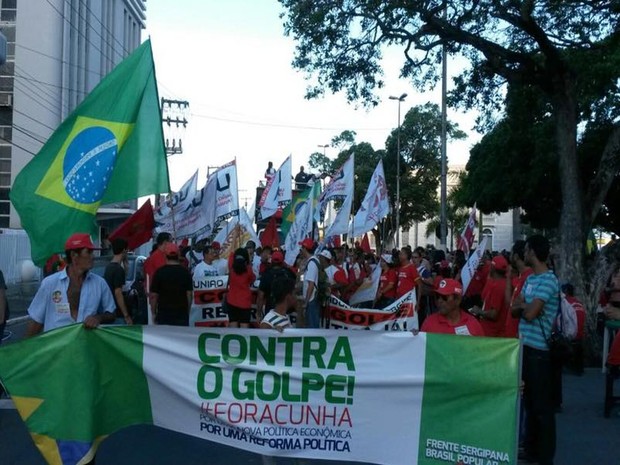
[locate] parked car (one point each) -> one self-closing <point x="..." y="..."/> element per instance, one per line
<point x="133" y="290"/>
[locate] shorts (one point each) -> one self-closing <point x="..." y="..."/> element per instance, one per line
<point x="238" y="315"/>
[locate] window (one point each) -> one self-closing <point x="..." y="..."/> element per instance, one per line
<point x="9" y="4"/>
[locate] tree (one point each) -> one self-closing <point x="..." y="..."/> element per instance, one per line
<point x="321" y="163"/>
<point x="545" y="45"/>
<point x="420" y="163"/>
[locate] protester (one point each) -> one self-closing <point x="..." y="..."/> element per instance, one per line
<point x="219" y="262"/>
<point x="276" y="272"/>
<point x="312" y="304"/>
<point x="576" y="362"/>
<point x="206" y="268"/>
<point x="386" y="293"/>
<point x="408" y="277"/>
<point x="537" y="307"/>
<point x="450" y="319"/>
<point x="171" y="290"/>
<point x="254" y="259"/>
<point x="4" y="308"/>
<point x="492" y="315"/>
<point x="239" y="296"/>
<point x="72" y="295"/>
<point x="157" y="259"/>
<point x="612" y="311"/>
<point x="284" y="300"/>
<point x="114" y="275"/>
<point x="265" y="260"/>
<point x="270" y="171"/>
<point x="301" y="179"/>
<point x="425" y="298"/>
<point x="194" y="255"/>
<point x="337" y="279"/>
<point x="514" y="285"/>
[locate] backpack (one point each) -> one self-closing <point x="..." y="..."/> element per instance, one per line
<point x="566" y="319"/>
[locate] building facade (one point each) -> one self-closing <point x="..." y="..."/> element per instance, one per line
<point x="57" y="52"/>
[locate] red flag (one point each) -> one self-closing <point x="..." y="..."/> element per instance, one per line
<point x="466" y="239"/>
<point x="365" y="245"/>
<point x="270" y="234"/>
<point x="138" y="228"/>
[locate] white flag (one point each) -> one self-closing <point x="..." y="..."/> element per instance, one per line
<point x="279" y="190"/>
<point x="368" y="289"/>
<point x="180" y="201"/>
<point x="342" y="220"/>
<point x="375" y="205"/>
<point x="235" y="233"/>
<point x="472" y="264"/>
<point x="226" y="194"/>
<point x="301" y="226"/>
<point x="340" y="187"/>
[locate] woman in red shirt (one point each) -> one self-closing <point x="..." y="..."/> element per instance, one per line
<point x="239" y="297"/>
<point x="386" y="294"/>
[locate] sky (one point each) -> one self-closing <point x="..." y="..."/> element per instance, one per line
<point x="232" y="62"/>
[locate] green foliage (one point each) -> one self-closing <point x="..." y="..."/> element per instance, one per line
<point x="320" y="162"/>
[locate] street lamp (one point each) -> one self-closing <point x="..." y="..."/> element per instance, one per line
<point x="400" y="99"/>
<point x="323" y="147"/>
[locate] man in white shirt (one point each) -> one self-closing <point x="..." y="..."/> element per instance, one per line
<point x="221" y="264"/>
<point x="206" y="267"/>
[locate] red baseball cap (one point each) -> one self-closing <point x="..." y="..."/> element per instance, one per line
<point x="500" y="263"/>
<point x="307" y="243"/>
<point x="171" y="249"/>
<point x="449" y="287"/>
<point x="80" y="241"/>
<point x="277" y="257"/>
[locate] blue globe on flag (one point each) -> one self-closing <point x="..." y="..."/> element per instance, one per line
<point x="88" y="164"/>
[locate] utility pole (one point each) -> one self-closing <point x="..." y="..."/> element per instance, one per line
<point x="174" y="115"/>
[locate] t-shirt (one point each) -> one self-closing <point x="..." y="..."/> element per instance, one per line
<point x="467" y="325"/>
<point x="494" y="297"/>
<point x="221" y="264"/>
<point x="50" y="306"/>
<point x="407" y="278"/>
<point x="275" y="320"/>
<point x="155" y="261"/>
<point x="614" y="352"/>
<point x="274" y="272"/>
<point x="512" y="323"/>
<point x="389" y="276"/>
<point x="311" y="275"/>
<point x="171" y="283"/>
<point x="580" y="313"/>
<point x="478" y="281"/>
<point x="239" y="288"/>
<point x="204" y="270"/>
<point x="544" y="287"/>
<point x="114" y="275"/>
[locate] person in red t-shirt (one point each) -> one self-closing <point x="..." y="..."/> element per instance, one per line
<point x="157" y="259"/>
<point x="408" y="277"/>
<point x="450" y="319"/>
<point x="239" y="296"/>
<point x="386" y="294"/>
<point x="492" y="315"/>
<point x="514" y="285"/>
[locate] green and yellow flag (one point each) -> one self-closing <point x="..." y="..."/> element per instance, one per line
<point x="110" y="149"/>
<point x="288" y="214"/>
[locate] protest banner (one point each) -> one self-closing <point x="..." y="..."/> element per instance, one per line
<point x="400" y="316"/>
<point x="368" y="289"/>
<point x="208" y="304"/>
<point x="369" y="396"/>
<point x="472" y="264"/>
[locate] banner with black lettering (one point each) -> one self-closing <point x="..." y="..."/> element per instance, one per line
<point x="400" y="316"/>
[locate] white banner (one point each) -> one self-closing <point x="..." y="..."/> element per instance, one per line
<point x="226" y="191"/>
<point x="472" y="264"/>
<point x="368" y="289"/>
<point x="342" y="220"/>
<point x="340" y="187"/>
<point x="279" y="190"/>
<point x="179" y="202"/>
<point x="235" y="233"/>
<point x="375" y="205"/>
<point x="400" y="316"/>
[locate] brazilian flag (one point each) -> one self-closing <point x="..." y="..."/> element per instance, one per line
<point x="110" y="149"/>
<point x="289" y="213"/>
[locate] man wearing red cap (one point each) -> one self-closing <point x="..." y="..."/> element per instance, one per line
<point x="72" y="295"/>
<point x="494" y="307"/>
<point x="450" y="319"/>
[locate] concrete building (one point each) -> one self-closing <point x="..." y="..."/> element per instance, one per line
<point x="58" y="51"/>
<point x="501" y="228"/>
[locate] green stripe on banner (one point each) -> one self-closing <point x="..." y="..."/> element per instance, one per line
<point x="68" y="391"/>
<point x="471" y="382"/>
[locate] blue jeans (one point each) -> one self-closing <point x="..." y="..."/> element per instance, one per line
<point x="313" y="314"/>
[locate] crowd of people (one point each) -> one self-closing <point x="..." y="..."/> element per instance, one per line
<point x="511" y="294"/>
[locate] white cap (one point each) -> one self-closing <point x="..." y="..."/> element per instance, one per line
<point x="326" y="253"/>
<point x="387" y="257"/>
